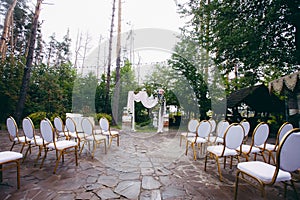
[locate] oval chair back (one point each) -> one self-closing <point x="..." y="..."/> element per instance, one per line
<point x="246" y="126"/>
<point x="12" y="127"/>
<point x="234" y="136"/>
<point x="87" y="127"/>
<point x="28" y="128"/>
<point x="261" y="134"/>
<point x="203" y="129"/>
<point x="285" y="127"/>
<point x="192" y="125"/>
<point x="222" y="127"/>
<point x="58" y="124"/>
<point x="104" y="124"/>
<point x="70" y="124"/>
<point x="47" y="131"/>
<point x="288" y="153"/>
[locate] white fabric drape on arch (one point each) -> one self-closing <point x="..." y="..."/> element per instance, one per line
<point x="142" y="96"/>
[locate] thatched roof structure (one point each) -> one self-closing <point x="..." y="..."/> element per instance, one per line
<point x="258" y="98"/>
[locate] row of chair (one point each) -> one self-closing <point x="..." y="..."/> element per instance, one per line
<point x="230" y="141"/>
<point x="208" y="132"/>
<point x="62" y="138"/>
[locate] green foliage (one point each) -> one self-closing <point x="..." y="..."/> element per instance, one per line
<point x="195" y="80"/>
<point x="120" y="90"/>
<point x="100" y="95"/>
<point x="37" y="117"/>
<point x="107" y="116"/>
<point x="11" y="73"/>
<point x="258" y="38"/>
<point x="83" y="96"/>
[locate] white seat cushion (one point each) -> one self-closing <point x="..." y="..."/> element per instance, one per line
<point x="6" y="156"/>
<point x="62" y="134"/>
<point x="73" y="135"/>
<point x="21" y="139"/>
<point x="188" y="134"/>
<point x="269" y="147"/>
<point x="219" y="140"/>
<point x="97" y="137"/>
<point x="263" y="171"/>
<point x="218" y="149"/>
<point x="63" y="144"/>
<point x="201" y="140"/>
<point x="39" y="141"/>
<point x="111" y="133"/>
<point x="97" y="131"/>
<point x="246" y="149"/>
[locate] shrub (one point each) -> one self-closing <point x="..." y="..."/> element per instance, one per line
<point x="37" y="117"/>
<point x="107" y="116"/>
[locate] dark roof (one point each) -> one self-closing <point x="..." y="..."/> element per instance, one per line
<point x="257" y="97"/>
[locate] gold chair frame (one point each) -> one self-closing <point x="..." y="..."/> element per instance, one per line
<point x="261" y="184"/>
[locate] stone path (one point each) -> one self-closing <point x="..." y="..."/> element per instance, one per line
<point x="146" y="166"/>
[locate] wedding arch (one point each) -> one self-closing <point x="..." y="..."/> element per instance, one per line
<point x="148" y="102"/>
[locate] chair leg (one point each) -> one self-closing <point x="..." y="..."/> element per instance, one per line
<point x="12" y="146"/>
<point x="118" y="140"/>
<point x="76" y="156"/>
<point x="22" y="147"/>
<point x="57" y="161"/>
<point x="236" y="184"/>
<point x="46" y="151"/>
<point x="186" y="147"/>
<point x="94" y="149"/>
<point x="29" y="148"/>
<point x="38" y="156"/>
<point x="110" y="141"/>
<point x="194" y="150"/>
<point x="1" y="174"/>
<point x="205" y="162"/>
<point x="262" y="154"/>
<point x="81" y="148"/>
<point x="219" y="167"/>
<point x="18" y="174"/>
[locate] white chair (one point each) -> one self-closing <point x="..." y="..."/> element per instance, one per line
<point x="233" y="139"/>
<point x="202" y="132"/>
<point x="191" y="130"/>
<point x="266" y="174"/>
<point x="105" y="130"/>
<point x="31" y="138"/>
<point x="60" y="146"/>
<point x="272" y="148"/>
<point x="90" y="136"/>
<point x="72" y="131"/>
<point x="12" y="159"/>
<point x="220" y="131"/>
<point x="60" y="128"/>
<point x="246" y="126"/>
<point x="13" y="131"/>
<point x="259" y="139"/>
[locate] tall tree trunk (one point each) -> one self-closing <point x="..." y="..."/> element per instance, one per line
<point x="6" y="28"/>
<point x="109" y="58"/>
<point x="118" y="63"/>
<point x="29" y="60"/>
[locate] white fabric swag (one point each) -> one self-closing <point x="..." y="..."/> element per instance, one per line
<point x="142" y="96"/>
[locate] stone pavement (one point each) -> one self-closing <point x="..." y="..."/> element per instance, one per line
<point x="146" y="166"/>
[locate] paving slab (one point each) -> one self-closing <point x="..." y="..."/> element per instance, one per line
<point x="144" y="166"/>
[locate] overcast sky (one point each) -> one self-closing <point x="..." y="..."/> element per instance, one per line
<point x="94" y="17"/>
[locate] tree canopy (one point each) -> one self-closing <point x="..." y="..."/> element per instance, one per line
<point x="259" y="39"/>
